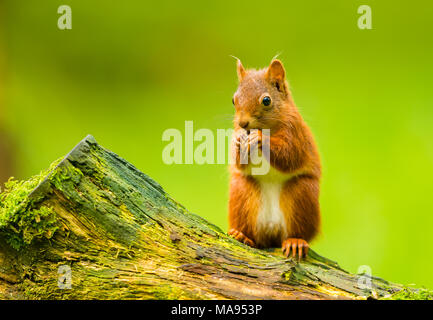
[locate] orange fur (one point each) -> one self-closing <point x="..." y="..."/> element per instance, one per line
<point x="293" y="154"/>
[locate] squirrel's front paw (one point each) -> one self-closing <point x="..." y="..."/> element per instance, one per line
<point x="254" y="139"/>
<point x="298" y="247"/>
<point x="241" y="237"/>
<point x="241" y="140"/>
<point x="241" y="148"/>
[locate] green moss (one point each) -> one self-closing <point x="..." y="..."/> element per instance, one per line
<point x="411" y="294"/>
<point x="169" y="292"/>
<point x="20" y="218"/>
<point x="63" y="173"/>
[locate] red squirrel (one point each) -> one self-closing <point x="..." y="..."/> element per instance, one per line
<point x="280" y="208"/>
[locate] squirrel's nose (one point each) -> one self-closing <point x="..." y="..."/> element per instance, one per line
<point x="244" y="124"/>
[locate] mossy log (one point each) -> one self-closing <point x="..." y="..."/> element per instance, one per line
<point x="124" y="237"/>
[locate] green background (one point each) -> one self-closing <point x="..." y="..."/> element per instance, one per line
<point x="128" y="70"/>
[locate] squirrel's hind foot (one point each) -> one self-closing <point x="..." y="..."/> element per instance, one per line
<point x="241" y="237"/>
<point x="298" y="247"/>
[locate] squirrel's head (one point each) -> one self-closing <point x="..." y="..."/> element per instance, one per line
<point x="261" y="97"/>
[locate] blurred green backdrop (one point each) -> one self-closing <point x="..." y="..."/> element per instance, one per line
<point x="128" y="70"/>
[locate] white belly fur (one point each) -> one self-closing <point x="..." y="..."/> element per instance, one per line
<point x="271" y="222"/>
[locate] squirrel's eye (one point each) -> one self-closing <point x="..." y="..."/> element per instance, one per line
<point x="233" y="101"/>
<point x="266" y="101"/>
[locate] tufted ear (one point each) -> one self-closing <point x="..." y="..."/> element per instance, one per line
<point x="241" y="70"/>
<point x="276" y="71"/>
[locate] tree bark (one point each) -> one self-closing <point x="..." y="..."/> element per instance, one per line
<point x="124" y="237"/>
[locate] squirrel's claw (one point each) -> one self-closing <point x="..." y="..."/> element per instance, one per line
<point x="241" y="237"/>
<point x="242" y="138"/>
<point x="255" y="140"/>
<point x="298" y="247"/>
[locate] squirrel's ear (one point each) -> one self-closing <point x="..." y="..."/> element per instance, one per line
<point x="276" y="71"/>
<point x="241" y="70"/>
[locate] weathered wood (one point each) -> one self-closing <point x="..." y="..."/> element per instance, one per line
<point x="125" y="238"/>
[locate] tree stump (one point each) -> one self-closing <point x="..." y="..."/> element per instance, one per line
<point x="94" y="227"/>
